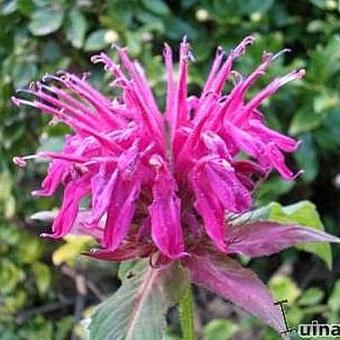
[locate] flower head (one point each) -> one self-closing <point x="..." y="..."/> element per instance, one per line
<point x="166" y="182"/>
<point x="156" y="176"/>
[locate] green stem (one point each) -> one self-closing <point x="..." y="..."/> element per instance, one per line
<point x="186" y="312"/>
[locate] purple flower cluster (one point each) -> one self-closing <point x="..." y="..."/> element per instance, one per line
<point x="152" y="176"/>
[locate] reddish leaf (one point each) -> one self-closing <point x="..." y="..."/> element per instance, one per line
<point x="241" y="286"/>
<point x="266" y="238"/>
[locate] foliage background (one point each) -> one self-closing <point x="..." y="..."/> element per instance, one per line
<point x="44" y="290"/>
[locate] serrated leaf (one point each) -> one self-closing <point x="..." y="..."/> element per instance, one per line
<point x="45" y="21"/>
<point x="137" y="310"/>
<point x="76" y="28"/>
<point x="304" y="213"/>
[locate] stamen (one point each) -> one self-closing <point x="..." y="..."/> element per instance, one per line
<point x="298" y="174"/>
<point x="236" y="77"/>
<point x="295" y="75"/>
<point x="21" y="161"/>
<point x="18" y="101"/>
<point x="241" y="48"/>
<point x="280" y="53"/>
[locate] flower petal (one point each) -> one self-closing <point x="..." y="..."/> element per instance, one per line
<point x="165" y="213"/>
<point x="285" y="143"/>
<point x="74" y="192"/>
<point x="56" y="171"/>
<point x="81" y="226"/>
<point x="276" y="160"/>
<point x="241" y="286"/>
<point x="227" y="187"/>
<point x="266" y="238"/>
<point x="120" y="212"/>
<point x="102" y="188"/>
<point x="211" y="210"/>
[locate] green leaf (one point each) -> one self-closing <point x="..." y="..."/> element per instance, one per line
<point x="76" y="28"/>
<point x="29" y="248"/>
<point x="256" y="6"/>
<point x="169" y="336"/>
<point x="225" y="9"/>
<point x="25" y="6"/>
<point x="100" y="39"/>
<point x="134" y="43"/>
<point x="23" y="74"/>
<point x="157" y="7"/>
<point x="14" y="302"/>
<point x="177" y="28"/>
<point x="320" y="68"/>
<point x="220" y="330"/>
<point x="334" y="299"/>
<point x="7" y="200"/>
<point x="311" y="297"/>
<point x="45" y="21"/>
<point x="283" y="287"/>
<point x="328" y="136"/>
<point x="137" y="310"/>
<point x="64" y="327"/>
<point x="303" y="213"/>
<point x="10" y="276"/>
<point x="319" y="3"/>
<point x="325" y="101"/>
<point x="8" y="7"/>
<point x="294" y="315"/>
<point x="42" y="276"/>
<point x="272" y="189"/>
<point x="304" y="120"/>
<point x="307" y="158"/>
<point x="325" y="4"/>
<point x="127" y="269"/>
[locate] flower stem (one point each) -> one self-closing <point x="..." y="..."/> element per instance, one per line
<point x="186" y="312"/>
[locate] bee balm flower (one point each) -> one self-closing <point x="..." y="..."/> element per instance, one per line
<point x="160" y="175"/>
<point x="166" y="181"/>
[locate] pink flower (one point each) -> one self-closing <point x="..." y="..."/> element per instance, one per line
<point x="166" y="181"/>
<point x="137" y="163"/>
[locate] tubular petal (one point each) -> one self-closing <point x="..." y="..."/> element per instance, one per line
<point x="165" y="213"/>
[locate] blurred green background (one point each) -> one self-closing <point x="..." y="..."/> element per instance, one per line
<point x="45" y="289"/>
